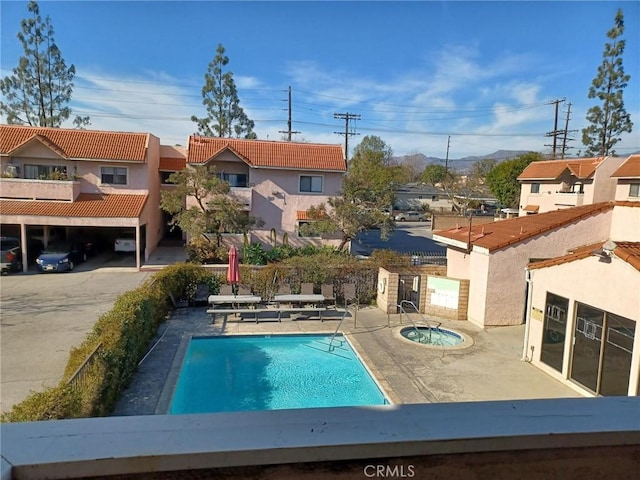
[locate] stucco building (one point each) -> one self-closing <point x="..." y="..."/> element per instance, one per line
<point x="111" y="182"/>
<point x="552" y="184"/>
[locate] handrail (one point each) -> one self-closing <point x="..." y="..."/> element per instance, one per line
<point x="344" y="315"/>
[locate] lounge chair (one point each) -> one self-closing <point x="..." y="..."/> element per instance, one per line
<point x="226" y="290"/>
<point x="329" y="297"/>
<point x="284" y="289"/>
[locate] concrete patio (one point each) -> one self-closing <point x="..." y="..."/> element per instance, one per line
<point x="488" y="369"/>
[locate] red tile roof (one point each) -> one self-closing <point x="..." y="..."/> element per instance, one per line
<point x="86" y="205"/>
<point x="629" y="252"/>
<point x="76" y="144"/>
<point x="500" y="234"/>
<point x="552" y="169"/>
<point x="269" y="154"/>
<point x="627" y="203"/>
<point x="577" y="253"/>
<point x="629" y="169"/>
<point x="172" y="164"/>
<point x="626" y="251"/>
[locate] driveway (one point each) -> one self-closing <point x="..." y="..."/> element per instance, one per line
<point x="45" y="315"/>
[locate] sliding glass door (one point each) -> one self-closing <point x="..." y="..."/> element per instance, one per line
<point x="603" y="344"/>
<point x="555" y="330"/>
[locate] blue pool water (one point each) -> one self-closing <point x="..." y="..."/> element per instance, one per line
<point x="240" y="373"/>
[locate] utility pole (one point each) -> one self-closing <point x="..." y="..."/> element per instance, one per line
<point x="446" y="160"/>
<point x="346" y="117"/>
<point x="288" y="131"/>
<point x="555" y="133"/>
<point x="565" y="137"/>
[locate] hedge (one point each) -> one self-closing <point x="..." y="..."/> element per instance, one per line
<point x="120" y="339"/>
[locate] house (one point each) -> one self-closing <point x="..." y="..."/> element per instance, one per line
<point x="493" y="256"/>
<point x="79" y="180"/>
<point x="420" y="196"/>
<point x="583" y="330"/>
<point x="276" y="181"/>
<point x="551" y="184"/>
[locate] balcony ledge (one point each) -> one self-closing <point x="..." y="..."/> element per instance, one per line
<point x="127" y="445"/>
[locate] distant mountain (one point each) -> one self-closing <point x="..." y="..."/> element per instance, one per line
<point x="460" y="164"/>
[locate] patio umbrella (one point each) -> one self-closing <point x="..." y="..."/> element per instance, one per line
<point x="233" y="270"/>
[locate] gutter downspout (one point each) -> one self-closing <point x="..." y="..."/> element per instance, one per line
<point x="528" y="276"/>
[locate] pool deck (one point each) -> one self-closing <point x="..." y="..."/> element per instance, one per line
<point x="489" y="369"/>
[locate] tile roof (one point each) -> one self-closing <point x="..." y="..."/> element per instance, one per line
<point x="552" y="169"/>
<point x="629" y="168"/>
<point x="503" y="233"/>
<point x="76" y="144"/>
<point x="629" y="252"/>
<point x="172" y="164"/>
<point x="269" y="154"/>
<point x="626" y="251"/>
<point x="573" y="254"/>
<point x="86" y="205"/>
<point x="627" y="203"/>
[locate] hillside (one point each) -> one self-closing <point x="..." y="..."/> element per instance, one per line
<point x="461" y="164"/>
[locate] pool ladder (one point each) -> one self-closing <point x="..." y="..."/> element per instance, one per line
<point x="344" y="315"/>
<point x="419" y="335"/>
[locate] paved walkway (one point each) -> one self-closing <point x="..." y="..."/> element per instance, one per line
<point x="489" y="369"/>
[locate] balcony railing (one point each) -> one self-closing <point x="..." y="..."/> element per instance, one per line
<point x="26" y="189"/>
<point x="568" y="199"/>
<point x="243" y="195"/>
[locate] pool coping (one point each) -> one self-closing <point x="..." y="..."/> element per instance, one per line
<point x="171" y="381"/>
<point x="467" y="340"/>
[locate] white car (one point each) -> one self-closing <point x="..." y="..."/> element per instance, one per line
<point x="125" y="243"/>
<point x="411" y="217"/>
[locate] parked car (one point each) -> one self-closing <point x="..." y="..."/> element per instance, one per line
<point x="61" y="257"/>
<point x="125" y="243"/>
<point x="411" y="217"/>
<point x="10" y="254"/>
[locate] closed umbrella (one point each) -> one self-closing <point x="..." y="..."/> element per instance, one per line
<point x="233" y="270"/>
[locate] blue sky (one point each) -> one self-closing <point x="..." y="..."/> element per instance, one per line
<point x="483" y="73"/>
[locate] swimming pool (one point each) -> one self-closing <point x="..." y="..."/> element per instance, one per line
<point x="241" y="373"/>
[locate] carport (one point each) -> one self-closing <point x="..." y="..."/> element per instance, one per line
<point x="88" y="210"/>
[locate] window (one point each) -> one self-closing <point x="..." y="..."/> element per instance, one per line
<point x="306" y="234"/>
<point x="164" y="178"/>
<point x="113" y="175"/>
<point x="535" y="188"/>
<point x="233" y="179"/>
<point x="310" y="183"/>
<point x="634" y="190"/>
<point x="45" y="172"/>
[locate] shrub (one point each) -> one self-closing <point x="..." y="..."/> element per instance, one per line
<point x="120" y="339"/>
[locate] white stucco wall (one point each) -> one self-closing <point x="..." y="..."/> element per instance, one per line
<point x="497" y="283"/>
<point x="604" y="186"/>
<point x="622" y="190"/>
<point x="581" y="281"/>
<point x="625" y="224"/>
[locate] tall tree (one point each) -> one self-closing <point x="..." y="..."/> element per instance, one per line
<point x="39" y="90"/>
<point x="503" y="178"/>
<point x="367" y="189"/>
<point x="225" y="117"/>
<point x="609" y="119"/>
